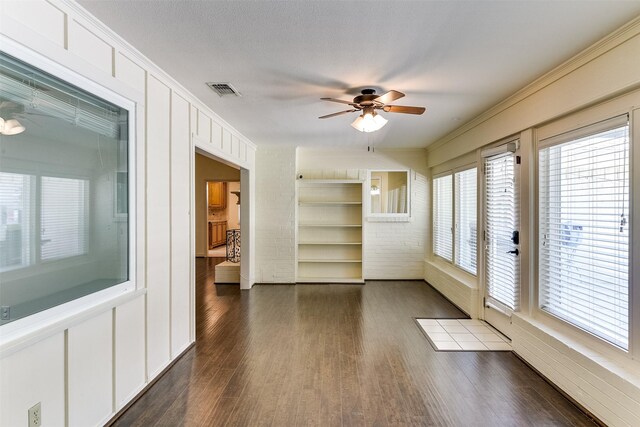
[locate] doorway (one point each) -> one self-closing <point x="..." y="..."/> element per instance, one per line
<point x="501" y="214"/>
<point x="223" y="217"/>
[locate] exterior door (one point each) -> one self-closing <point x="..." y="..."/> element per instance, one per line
<point x="501" y="238"/>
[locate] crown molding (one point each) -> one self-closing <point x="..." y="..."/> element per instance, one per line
<point x="604" y="45"/>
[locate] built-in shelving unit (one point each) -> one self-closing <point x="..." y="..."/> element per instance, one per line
<point x="330" y="231"/>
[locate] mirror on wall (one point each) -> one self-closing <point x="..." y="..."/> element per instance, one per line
<point x="388" y="193"/>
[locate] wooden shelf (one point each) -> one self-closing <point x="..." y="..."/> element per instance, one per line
<point x="330" y="252"/>
<point x="329" y="243"/>
<point x="329" y="225"/>
<point x="330" y="203"/>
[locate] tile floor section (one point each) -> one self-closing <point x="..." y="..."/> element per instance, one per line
<point x="463" y="335"/>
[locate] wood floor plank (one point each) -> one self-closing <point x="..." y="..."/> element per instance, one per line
<point x="338" y="355"/>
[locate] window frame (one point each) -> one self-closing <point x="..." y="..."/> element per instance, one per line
<point x="96" y="83"/>
<point x="567" y="125"/>
<point x="452" y="172"/>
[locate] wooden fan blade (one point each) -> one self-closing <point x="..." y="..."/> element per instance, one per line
<point x="337" y="114"/>
<point x="388" y="97"/>
<point x="338" y="100"/>
<point x="403" y="109"/>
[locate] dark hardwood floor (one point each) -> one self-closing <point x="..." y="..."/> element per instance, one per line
<point x="338" y="355"/>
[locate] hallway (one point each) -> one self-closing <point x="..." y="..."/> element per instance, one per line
<point x="331" y="355"/>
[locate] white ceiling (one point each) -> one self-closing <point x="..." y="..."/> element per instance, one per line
<point x="457" y="58"/>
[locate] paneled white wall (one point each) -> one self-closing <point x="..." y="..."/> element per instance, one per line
<point x="42" y="364"/>
<point x="157" y="223"/>
<point x="112" y="352"/>
<point x="180" y="220"/>
<point x="90" y="379"/>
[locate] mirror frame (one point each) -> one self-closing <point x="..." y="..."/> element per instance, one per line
<point x="387" y="217"/>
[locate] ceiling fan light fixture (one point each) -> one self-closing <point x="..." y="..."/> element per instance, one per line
<point x="379" y="121"/>
<point x="11" y="127"/>
<point x="368" y="102"/>
<point x="356" y="124"/>
<point x="369" y="121"/>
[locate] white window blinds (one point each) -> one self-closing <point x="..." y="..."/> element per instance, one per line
<point x="16" y="192"/>
<point x="465" y="207"/>
<point x="500" y="221"/>
<point x="584" y="229"/>
<point x="64" y="217"/>
<point x="443" y="217"/>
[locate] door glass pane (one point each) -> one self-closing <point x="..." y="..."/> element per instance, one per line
<point x="502" y="275"/>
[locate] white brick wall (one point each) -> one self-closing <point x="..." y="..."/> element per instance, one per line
<point x="605" y="388"/>
<point x="455" y="289"/>
<point x="392" y="250"/>
<point x="396" y="250"/>
<point x="275" y="214"/>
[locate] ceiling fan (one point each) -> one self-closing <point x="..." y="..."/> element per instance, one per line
<point x="368" y="102"/>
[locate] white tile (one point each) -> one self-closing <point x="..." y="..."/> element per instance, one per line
<point x="427" y="321"/>
<point x="489" y="337"/>
<point x="448" y="322"/>
<point x="440" y="337"/>
<point x="498" y="346"/>
<point x="455" y="329"/>
<point x="471" y="322"/>
<point x="472" y="346"/>
<point x="479" y="329"/>
<point x="447" y="345"/>
<point x="464" y="337"/>
<point x="434" y="329"/>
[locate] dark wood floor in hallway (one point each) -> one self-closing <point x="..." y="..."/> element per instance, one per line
<point x="338" y="355"/>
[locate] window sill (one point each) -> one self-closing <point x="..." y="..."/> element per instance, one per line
<point x="24" y="332"/>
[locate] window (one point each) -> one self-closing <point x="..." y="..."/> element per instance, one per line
<point x="466" y="231"/>
<point x="64" y="191"/>
<point x="456" y="244"/>
<point x="584" y="229"/>
<point x="64" y="217"/>
<point x="16" y="192"/>
<point x="443" y="217"/>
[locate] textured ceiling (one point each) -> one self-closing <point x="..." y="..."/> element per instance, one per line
<point x="457" y="58"/>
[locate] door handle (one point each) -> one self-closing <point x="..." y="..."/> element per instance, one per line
<point x="515" y="251"/>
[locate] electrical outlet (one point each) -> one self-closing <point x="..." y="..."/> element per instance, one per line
<point x="35" y="415"/>
<point x="5" y="312"/>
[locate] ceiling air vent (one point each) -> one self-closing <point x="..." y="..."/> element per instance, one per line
<point x="223" y="89"/>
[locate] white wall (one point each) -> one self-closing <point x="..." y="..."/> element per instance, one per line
<point x="599" y="378"/>
<point x="275" y="222"/>
<point x="392" y="250"/>
<point x="115" y="347"/>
